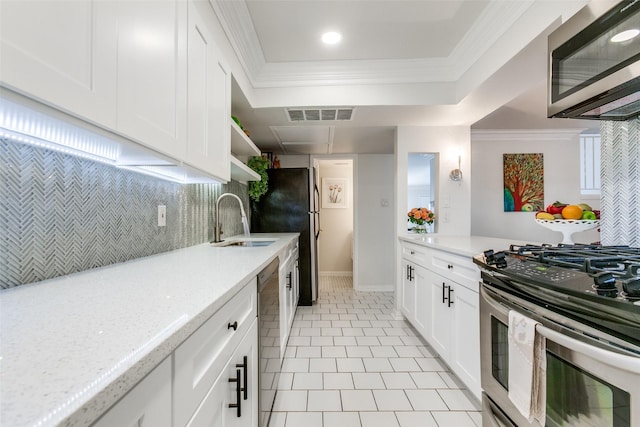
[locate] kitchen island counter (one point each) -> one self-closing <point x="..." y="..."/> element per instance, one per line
<point x="72" y="346"/>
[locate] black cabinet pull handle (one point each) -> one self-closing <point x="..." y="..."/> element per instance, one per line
<point x="412" y="252"/>
<point x="245" y="367"/>
<point x="289" y="280"/>
<point x="408" y="272"/>
<point x="449" y="266"/>
<point x="449" y="297"/>
<point x="443" y="288"/>
<point x="411" y="276"/>
<point x="233" y="325"/>
<point x="237" y="405"/>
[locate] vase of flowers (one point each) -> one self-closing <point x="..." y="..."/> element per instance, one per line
<point x="421" y="217"/>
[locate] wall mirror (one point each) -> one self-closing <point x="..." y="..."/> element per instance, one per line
<point x="421" y="183"/>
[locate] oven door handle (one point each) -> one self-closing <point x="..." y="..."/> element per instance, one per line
<point x="616" y="360"/>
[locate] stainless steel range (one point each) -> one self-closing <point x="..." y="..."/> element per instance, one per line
<point x="585" y="303"/>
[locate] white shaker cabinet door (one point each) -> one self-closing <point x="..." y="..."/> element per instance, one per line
<point x="148" y="404"/>
<point x="423" y="304"/>
<point x="63" y="53"/>
<point x="466" y="347"/>
<point x="209" y="97"/>
<point x="407" y="289"/>
<point x="151" y="73"/>
<point x="442" y="316"/>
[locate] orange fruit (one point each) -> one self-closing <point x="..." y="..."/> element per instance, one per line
<point x="572" y="212"/>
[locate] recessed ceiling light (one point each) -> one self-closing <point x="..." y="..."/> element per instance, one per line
<point x="625" y="35"/>
<point x="331" y="37"/>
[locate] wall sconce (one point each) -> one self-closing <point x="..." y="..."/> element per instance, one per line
<point x="456" y="174"/>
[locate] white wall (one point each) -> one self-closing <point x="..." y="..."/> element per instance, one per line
<point x="374" y="224"/>
<point x="336" y="225"/>
<point x="452" y="198"/>
<point x="561" y="154"/>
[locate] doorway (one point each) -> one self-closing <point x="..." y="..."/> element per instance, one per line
<point x="336" y="243"/>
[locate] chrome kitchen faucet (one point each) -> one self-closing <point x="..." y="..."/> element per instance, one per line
<point x="218" y="230"/>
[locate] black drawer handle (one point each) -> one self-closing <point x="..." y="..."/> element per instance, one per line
<point x="412" y="252"/>
<point x="289" y="280"/>
<point x="237" y="405"/>
<point x="245" y="367"/>
<point x="233" y="325"/>
<point x="449" y="266"/>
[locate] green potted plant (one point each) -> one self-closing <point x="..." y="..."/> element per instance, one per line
<point x="260" y="165"/>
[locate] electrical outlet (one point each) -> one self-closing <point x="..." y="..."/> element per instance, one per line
<point x="162" y="216"/>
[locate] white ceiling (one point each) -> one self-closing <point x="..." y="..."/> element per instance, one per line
<point x="416" y="62"/>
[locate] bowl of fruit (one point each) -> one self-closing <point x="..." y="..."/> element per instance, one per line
<point x="568" y="219"/>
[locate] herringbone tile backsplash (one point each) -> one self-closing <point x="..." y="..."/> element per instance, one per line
<point x="61" y="214"/>
<point x="620" y="183"/>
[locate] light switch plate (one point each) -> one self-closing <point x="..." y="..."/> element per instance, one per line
<point x="162" y="215"/>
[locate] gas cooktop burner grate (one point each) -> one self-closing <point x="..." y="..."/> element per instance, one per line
<point x="605" y="264"/>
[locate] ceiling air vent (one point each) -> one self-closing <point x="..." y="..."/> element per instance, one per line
<point x="319" y="114"/>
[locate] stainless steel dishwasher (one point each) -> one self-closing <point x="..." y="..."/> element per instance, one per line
<point x="269" y="358"/>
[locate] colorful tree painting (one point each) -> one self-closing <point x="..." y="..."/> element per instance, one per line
<point x="523" y="182"/>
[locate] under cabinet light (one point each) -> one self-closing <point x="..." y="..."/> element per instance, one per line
<point x="41" y="143"/>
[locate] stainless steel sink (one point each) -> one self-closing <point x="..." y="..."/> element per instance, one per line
<point x="243" y="243"/>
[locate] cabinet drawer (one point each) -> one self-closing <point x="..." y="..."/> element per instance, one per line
<point x="201" y="358"/>
<point x="456" y="268"/>
<point x="214" y="410"/>
<point x="416" y="254"/>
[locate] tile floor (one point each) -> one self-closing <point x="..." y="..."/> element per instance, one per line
<point x="350" y="363"/>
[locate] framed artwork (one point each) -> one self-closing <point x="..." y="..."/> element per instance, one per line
<point x="523" y="175"/>
<point x="334" y="193"/>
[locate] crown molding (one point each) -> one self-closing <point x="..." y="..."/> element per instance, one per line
<point x="234" y="16"/>
<point x="497" y="18"/>
<point x="493" y="22"/>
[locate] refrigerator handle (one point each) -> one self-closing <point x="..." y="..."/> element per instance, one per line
<point x="317" y="209"/>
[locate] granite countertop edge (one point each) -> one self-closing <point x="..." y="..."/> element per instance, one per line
<point x="25" y="373"/>
<point x="466" y="246"/>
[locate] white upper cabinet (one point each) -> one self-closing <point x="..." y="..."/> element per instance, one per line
<point x="150" y="71"/>
<point x="151" y="74"/>
<point x="209" y="97"/>
<point x="61" y="53"/>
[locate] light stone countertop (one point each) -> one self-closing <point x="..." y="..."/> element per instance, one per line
<point x="70" y="347"/>
<point x="461" y="245"/>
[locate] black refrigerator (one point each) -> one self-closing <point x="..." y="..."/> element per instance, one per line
<point x="292" y="204"/>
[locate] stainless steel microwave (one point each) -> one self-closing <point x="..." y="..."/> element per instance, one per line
<point x="594" y="63"/>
